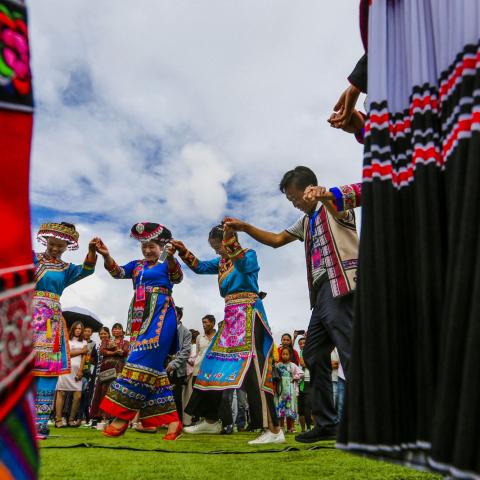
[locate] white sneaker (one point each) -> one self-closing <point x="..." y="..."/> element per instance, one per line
<point x="101" y="425"/>
<point x="204" y="427"/>
<point x="268" y="437"/>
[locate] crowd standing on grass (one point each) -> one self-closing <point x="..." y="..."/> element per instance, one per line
<point x="237" y="376"/>
<point x="218" y="384"/>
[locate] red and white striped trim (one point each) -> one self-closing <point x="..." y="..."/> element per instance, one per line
<point x="465" y="67"/>
<point x="463" y="129"/>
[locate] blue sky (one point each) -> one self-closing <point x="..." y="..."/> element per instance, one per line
<point x="182" y="112"/>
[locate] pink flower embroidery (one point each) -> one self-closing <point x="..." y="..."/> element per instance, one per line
<point x="234" y="331"/>
<point x="14" y="52"/>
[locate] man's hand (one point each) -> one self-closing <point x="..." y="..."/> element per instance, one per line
<point x="179" y="247"/>
<point x="345" y="107"/>
<point x="316" y="194"/>
<point x="235" y="224"/>
<point x="169" y="368"/>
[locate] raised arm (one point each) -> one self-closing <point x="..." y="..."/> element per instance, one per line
<point x="245" y="260"/>
<point x="111" y="266"/>
<point x="271" y="239"/>
<point x="174" y="269"/>
<point x="201" y="267"/>
<point x="77" y="272"/>
<point x="337" y="200"/>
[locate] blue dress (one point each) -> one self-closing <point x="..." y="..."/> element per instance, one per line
<point x="143" y="384"/>
<point x="232" y="349"/>
<point x="50" y="336"/>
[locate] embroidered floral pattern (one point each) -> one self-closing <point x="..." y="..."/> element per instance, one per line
<point x="15" y="75"/>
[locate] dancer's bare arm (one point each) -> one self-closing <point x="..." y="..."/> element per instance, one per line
<point x="271" y="239"/>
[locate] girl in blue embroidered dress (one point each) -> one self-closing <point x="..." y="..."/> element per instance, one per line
<point x="52" y="276"/>
<point x="143" y="384"/>
<point x="240" y="353"/>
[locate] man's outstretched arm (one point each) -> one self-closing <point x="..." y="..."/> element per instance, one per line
<point x="271" y="239"/>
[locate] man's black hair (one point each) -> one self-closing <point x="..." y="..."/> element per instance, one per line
<point x="211" y="318"/>
<point x="301" y="177"/>
<point x="179" y="311"/>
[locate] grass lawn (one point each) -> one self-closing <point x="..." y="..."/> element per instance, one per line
<point x="98" y="463"/>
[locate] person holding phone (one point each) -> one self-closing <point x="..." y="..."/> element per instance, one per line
<point x="143" y="386"/>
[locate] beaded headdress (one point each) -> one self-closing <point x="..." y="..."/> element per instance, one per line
<point x="59" y="231"/>
<point x="147" y="231"/>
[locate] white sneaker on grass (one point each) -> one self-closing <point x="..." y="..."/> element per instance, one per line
<point x="204" y="427"/>
<point x="268" y="437"/>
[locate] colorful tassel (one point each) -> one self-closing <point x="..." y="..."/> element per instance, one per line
<point x="49" y="328"/>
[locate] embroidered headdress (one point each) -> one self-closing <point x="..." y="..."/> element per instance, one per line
<point x="147" y="231"/>
<point x="61" y="231"/>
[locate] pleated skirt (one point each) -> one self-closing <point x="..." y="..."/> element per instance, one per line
<point x="413" y="394"/>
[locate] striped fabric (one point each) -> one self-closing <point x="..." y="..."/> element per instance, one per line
<point x="18" y="449"/>
<point x="413" y="390"/>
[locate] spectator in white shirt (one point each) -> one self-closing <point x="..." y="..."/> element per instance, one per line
<point x="203" y="341"/>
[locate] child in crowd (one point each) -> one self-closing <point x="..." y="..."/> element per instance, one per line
<point x="287" y="390"/>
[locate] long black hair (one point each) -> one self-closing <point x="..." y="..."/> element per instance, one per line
<point x="301" y="177"/>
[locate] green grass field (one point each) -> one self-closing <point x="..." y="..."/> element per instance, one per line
<point x="97" y="463"/>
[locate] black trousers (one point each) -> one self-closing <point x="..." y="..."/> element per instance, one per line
<point x="177" y="396"/>
<point x="305" y="403"/>
<point x="330" y="326"/>
<point x="213" y="405"/>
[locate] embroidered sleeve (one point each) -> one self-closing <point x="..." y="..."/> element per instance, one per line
<point x="115" y="270"/>
<point x="129" y="270"/>
<point x="347" y="197"/>
<point x="175" y="274"/>
<point x="190" y="260"/>
<point x="200" y="266"/>
<point x="89" y="265"/>
<point x="77" y="272"/>
<point x="234" y="249"/>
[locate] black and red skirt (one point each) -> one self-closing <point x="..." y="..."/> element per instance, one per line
<point x="413" y="394"/>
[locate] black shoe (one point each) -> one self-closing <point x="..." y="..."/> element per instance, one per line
<point x="228" y="430"/>
<point x="317" y="434"/>
<point x="43" y="429"/>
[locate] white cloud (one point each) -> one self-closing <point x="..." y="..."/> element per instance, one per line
<point x="196" y="109"/>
